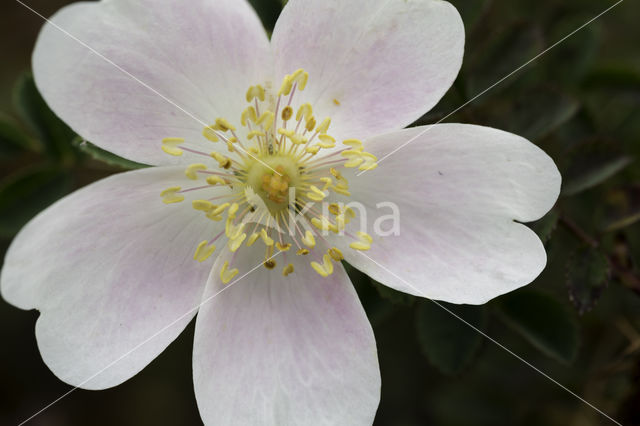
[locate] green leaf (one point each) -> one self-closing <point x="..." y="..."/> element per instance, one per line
<point x="569" y="61"/>
<point x="12" y="139"/>
<point x="394" y="296"/>
<point x="378" y="309"/>
<point x="55" y="135"/>
<point x="593" y="171"/>
<point x="542" y="321"/>
<point x="613" y="77"/>
<point x="268" y="11"/>
<point x="587" y="275"/>
<point x="26" y="193"/>
<point x="504" y="53"/>
<point x="449" y="343"/>
<point x="623" y="208"/>
<point x="107" y="157"/>
<point x="540" y="111"/>
<point x="546" y="226"/>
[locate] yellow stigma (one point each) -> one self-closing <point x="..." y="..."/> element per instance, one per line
<point x="267" y="181"/>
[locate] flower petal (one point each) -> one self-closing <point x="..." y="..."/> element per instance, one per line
<point x="109" y="267"/>
<point x="202" y="57"/>
<point x="458" y="189"/>
<point x="271" y="350"/>
<point x="385" y="62"/>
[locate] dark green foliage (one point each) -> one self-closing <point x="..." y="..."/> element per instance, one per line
<point x="106" y="157"/>
<point x="543" y="321"/>
<point x="54" y="135"/>
<point x="588" y="273"/>
<point x="579" y="321"/>
<point x="445" y="334"/>
<point x="25" y="194"/>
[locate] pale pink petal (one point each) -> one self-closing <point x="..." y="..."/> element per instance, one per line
<point x="271" y="350"/>
<point x="459" y="190"/>
<point x="202" y="56"/>
<point x="385" y="62"/>
<point x="109" y="267"/>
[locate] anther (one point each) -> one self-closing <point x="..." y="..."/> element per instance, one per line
<point x="170" y="195"/>
<point x="215" y="180"/>
<point x="364" y="243"/>
<point x="191" y="171"/>
<point x="209" y="133"/>
<point x="203" y="251"/>
<point x="287" y="113"/>
<point x="308" y="239"/>
<point x="170" y="146"/>
<point x="326" y="268"/>
<point x="335" y="254"/>
<point x="223" y="125"/>
<point x="227" y="275"/>
<point x="203" y="205"/>
<point x="283" y="247"/>
<point x="287" y="269"/>
<point x="255" y="92"/>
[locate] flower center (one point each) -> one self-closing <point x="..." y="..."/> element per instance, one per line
<point x="280" y="185"/>
<point x="272" y="177"/>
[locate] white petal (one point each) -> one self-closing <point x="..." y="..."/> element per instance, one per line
<point x="271" y="350"/>
<point x="458" y="189"/>
<point x="202" y="56"/>
<point x="385" y="62"/>
<point x="109" y="267"/>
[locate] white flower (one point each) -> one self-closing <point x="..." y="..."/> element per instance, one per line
<point x="111" y="265"/>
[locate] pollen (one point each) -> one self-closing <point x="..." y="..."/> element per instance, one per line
<point x="266" y="182"/>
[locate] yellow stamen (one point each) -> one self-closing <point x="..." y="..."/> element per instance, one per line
<point x="287" y="269"/>
<point x="300" y="76"/>
<point x="364" y="243"/>
<point x="203" y="205"/>
<point x="252" y="134"/>
<point x="191" y="171"/>
<point x="355" y="144"/>
<point x="223" y="161"/>
<point x="233" y="209"/>
<point x="209" y="133"/>
<point x="326" y="141"/>
<point x="266" y="119"/>
<point x="170" y="195"/>
<point x="308" y="239"/>
<point x="335" y="254"/>
<point x="305" y="111"/>
<point x="235" y="243"/>
<point x="223" y="125"/>
<point x="248" y="114"/>
<point x="255" y="92"/>
<point x="252" y="239"/>
<point x="326" y="268"/>
<point x="203" y="251"/>
<point x="215" y="180"/>
<point x="283" y="247"/>
<point x="227" y="275"/>
<point x="316" y="194"/>
<point x="324" y="126"/>
<point x="170" y="146"/>
<point x="287" y="113"/>
<point x="265" y="238"/>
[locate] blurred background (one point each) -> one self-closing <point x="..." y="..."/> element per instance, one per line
<point x="579" y="321"/>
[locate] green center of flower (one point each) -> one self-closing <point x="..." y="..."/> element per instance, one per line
<point x="281" y="180"/>
<point x="273" y="178"/>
